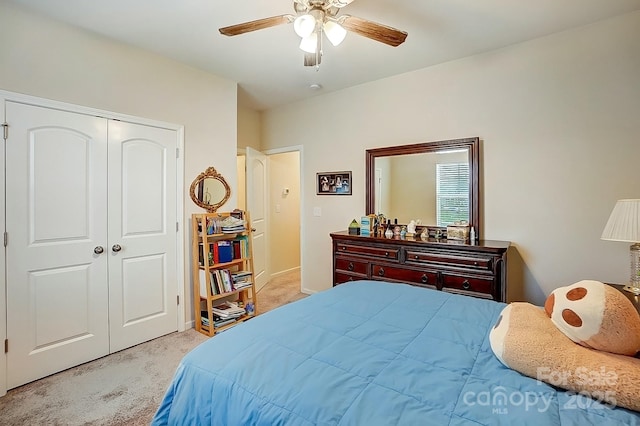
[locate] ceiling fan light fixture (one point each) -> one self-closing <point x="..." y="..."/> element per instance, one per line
<point x="335" y="32"/>
<point x="304" y="25"/>
<point x="310" y="43"/>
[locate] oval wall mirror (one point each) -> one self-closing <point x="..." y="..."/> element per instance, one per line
<point x="210" y="190"/>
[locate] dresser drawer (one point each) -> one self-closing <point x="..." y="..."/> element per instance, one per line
<point x="420" y="257"/>
<point x="351" y="265"/>
<point x="470" y="284"/>
<point x="377" y="252"/>
<point x="341" y="278"/>
<point x="414" y="276"/>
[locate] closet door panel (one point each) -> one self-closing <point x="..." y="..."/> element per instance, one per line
<point x="57" y="314"/>
<point x="142" y="223"/>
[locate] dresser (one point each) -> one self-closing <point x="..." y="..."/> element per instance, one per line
<point x="477" y="270"/>
<point x="635" y="300"/>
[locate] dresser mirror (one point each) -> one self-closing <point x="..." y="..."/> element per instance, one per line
<point x="436" y="182"/>
<point x="210" y="190"/>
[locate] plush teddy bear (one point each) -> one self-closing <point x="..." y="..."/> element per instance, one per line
<point x="528" y="340"/>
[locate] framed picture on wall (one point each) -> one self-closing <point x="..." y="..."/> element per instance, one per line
<point x="333" y="183"/>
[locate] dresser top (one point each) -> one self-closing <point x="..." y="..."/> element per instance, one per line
<point x="417" y="241"/>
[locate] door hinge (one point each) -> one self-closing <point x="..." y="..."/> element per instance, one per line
<point x="177" y="226"/>
<point x="6" y="238"/>
<point x="5" y="130"/>
<point x="177" y="299"/>
<point x="6" y="346"/>
<point x="177" y="152"/>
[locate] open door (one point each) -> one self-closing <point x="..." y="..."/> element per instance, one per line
<point x="256" y="164"/>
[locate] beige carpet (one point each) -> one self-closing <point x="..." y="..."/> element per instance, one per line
<point x="124" y="388"/>
<point x="279" y="291"/>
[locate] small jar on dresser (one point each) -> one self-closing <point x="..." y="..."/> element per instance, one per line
<point x="477" y="269"/>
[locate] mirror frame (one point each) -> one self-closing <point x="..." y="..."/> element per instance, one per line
<point x="471" y="144"/>
<point x="210" y="173"/>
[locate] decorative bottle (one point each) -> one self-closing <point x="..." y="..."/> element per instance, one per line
<point x="389" y="232"/>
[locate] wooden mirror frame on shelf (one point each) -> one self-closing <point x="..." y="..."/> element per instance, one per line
<point x="472" y="145"/>
<point x="196" y="190"/>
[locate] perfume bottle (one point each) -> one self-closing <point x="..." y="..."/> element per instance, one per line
<point x="389" y="232"/>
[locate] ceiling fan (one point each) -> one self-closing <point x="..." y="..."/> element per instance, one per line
<point x="316" y="17"/>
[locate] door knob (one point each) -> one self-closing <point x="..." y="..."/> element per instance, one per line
<point x="98" y="250"/>
<point x="116" y="248"/>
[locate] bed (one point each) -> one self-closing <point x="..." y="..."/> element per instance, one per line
<point x="368" y="353"/>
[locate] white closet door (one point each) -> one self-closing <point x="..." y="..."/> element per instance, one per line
<point x="56" y="180"/>
<point x="256" y="172"/>
<point x="142" y="223"/>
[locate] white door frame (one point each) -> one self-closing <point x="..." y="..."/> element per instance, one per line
<point x="3" y="271"/>
<point x="179" y="129"/>
<point x="300" y="150"/>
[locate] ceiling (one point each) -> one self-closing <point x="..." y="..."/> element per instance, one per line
<point x="268" y="65"/>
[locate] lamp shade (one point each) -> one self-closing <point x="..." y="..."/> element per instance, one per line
<point x="304" y="25"/>
<point x="334" y="31"/>
<point x="310" y="43"/>
<point x="624" y="222"/>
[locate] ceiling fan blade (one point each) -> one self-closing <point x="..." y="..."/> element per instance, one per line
<point x="258" y="24"/>
<point x="373" y="30"/>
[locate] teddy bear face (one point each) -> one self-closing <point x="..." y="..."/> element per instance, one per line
<point x="577" y="310"/>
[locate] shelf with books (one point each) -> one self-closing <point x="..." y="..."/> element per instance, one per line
<point x="224" y="239"/>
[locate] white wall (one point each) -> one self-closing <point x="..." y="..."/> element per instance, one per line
<point x="47" y="59"/>
<point x="249" y="127"/>
<point x="558" y="119"/>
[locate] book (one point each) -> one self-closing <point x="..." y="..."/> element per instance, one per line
<point x="237" y="252"/>
<point x="227" y="310"/>
<point x="225" y="253"/>
<point x="203" y="282"/>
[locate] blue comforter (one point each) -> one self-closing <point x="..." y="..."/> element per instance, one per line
<point x="368" y="353"/>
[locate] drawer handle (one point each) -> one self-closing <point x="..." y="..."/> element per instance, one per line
<point x="424" y="279"/>
<point x="350" y="266"/>
<point x="343" y="248"/>
<point x="466" y="285"/>
<point x="416" y="257"/>
<point x="475" y="263"/>
<point x="386" y="254"/>
<point x="381" y="272"/>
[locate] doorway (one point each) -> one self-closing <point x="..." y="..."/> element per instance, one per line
<point x="283" y="207"/>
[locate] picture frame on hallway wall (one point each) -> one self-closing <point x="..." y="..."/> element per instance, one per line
<point x="333" y="183"/>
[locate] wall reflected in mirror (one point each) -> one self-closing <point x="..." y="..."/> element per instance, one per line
<point x="432" y="187"/>
<point x="210" y="189"/>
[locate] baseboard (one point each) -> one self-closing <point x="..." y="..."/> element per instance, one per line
<point x="286" y="271"/>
